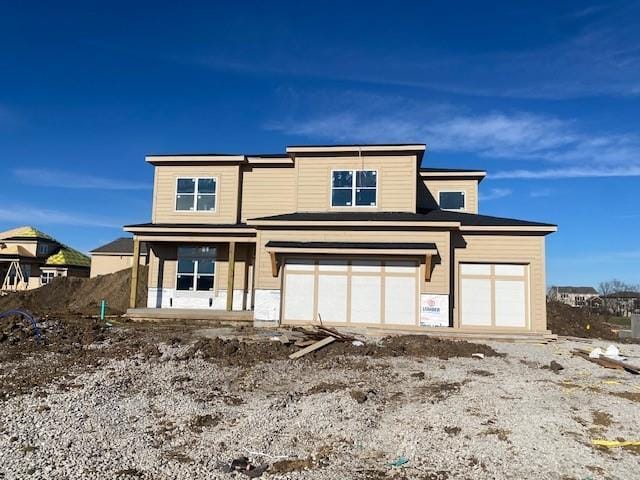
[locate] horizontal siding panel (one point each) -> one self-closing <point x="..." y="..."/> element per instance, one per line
<point x="268" y="191"/>
<point x="226" y="197"/>
<point x="396" y="181"/>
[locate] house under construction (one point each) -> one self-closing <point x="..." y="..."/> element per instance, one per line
<point x="30" y="258"/>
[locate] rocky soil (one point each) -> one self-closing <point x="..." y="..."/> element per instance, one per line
<point x="163" y="402"/>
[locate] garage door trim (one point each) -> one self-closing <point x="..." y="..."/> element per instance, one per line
<point x="383" y="273"/>
<point x="494" y="277"/>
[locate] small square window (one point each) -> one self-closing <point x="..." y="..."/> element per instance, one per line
<point x="345" y="192"/>
<point x="452" y="200"/>
<point x="196" y="194"/>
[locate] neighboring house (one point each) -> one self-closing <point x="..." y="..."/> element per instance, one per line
<point x="115" y="256"/>
<point x="30" y="258"/>
<point x="354" y="235"/>
<point x="574" y="296"/>
<point x="622" y="304"/>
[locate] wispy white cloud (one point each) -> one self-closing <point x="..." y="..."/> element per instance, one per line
<point x="543" y="192"/>
<point x="496" y="193"/>
<point x="61" y="179"/>
<point x="570" y="172"/>
<point x="566" y="148"/>
<point x="28" y="215"/>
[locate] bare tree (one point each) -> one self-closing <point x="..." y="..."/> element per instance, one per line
<point x="614" y="286"/>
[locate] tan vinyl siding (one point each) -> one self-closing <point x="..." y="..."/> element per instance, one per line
<point x="268" y="191"/>
<point x="439" y="282"/>
<point x="396" y="182"/>
<point x="226" y="194"/>
<point x="163" y="260"/>
<point x="507" y="249"/>
<point x="105" y="264"/>
<point x="162" y="265"/>
<point x="430" y="198"/>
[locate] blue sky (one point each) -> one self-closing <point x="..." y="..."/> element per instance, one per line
<point x="543" y="95"/>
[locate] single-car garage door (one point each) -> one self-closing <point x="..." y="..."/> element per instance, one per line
<point x="494" y="295"/>
<point x="351" y="291"/>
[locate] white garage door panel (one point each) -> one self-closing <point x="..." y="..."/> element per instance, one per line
<point x="365" y="299"/>
<point x="332" y="298"/>
<point x="476" y="302"/>
<point x="475" y="269"/>
<point x="298" y="302"/>
<point x="510" y="270"/>
<point x="510" y="303"/>
<point x="400" y="300"/>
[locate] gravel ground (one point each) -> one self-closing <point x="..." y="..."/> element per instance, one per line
<point x="169" y="417"/>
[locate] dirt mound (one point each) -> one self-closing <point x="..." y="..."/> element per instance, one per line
<point x="565" y="320"/>
<point x="79" y="296"/>
<point x="239" y="353"/>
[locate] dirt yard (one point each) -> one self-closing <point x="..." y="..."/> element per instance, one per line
<point x="169" y="401"/>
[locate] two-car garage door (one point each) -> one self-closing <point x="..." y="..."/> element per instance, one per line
<point x="494" y="295"/>
<point x="351" y="291"/>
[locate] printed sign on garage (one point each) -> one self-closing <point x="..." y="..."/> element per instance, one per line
<point x="434" y="310"/>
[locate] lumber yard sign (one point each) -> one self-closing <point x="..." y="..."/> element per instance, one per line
<point x="434" y="310"/>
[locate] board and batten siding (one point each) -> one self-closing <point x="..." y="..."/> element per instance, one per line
<point x="268" y="191"/>
<point x="434" y="187"/>
<point x="396" y="182"/>
<point x="518" y="249"/>
<point x="439" y="282"/>
<point x="164" y="201"/>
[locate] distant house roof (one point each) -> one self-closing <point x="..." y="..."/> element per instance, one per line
<point x="24" y="232"/>
<point x="15" y="251"/>
<point x="626" y="294"/>
<point x="122" y="245"/>
<point x="580" y="290"/>
<point x="68" y="257"/>
<point x="61" y="255"/>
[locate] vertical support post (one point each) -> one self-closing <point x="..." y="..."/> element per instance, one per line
<point x="135" y="264"/>
<point x="231" y="268"/>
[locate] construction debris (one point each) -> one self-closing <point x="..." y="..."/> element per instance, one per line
<point x="315" y="346"/>
<point x="606" y="362"/>
<point x="616" y="443"/>
<point x="244" y="466"/>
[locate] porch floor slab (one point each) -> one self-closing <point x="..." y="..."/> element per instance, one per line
<point x="151" y="314"/>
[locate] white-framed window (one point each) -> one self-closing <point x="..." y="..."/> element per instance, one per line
<point x="354" y="188"/>
<point x="452" y="200"/>
<point x="196" y="268"/>
<point x="46" y="277"/>
<point x="196" y="194"/>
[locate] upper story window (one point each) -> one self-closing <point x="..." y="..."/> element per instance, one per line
<point x="43" y="249"/>
<point x="196" y="268"/>
<point x="452" y="200"/>
<point x="354" y="188"/>
<point x="196" y="194"/>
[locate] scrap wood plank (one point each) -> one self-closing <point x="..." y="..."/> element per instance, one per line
<point x="311" y="348"/>
<point x="335" y="333"/>
<point x="607" y="362"/>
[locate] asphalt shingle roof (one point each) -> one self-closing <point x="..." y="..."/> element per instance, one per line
<point x="120" y="245"/>
<point x="466" y="219"/>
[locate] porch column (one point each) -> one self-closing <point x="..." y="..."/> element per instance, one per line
<point x="135" y="264"/>
<point x="230" y="274"/>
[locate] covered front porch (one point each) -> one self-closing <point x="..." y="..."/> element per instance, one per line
<point x="195" y="272"/>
